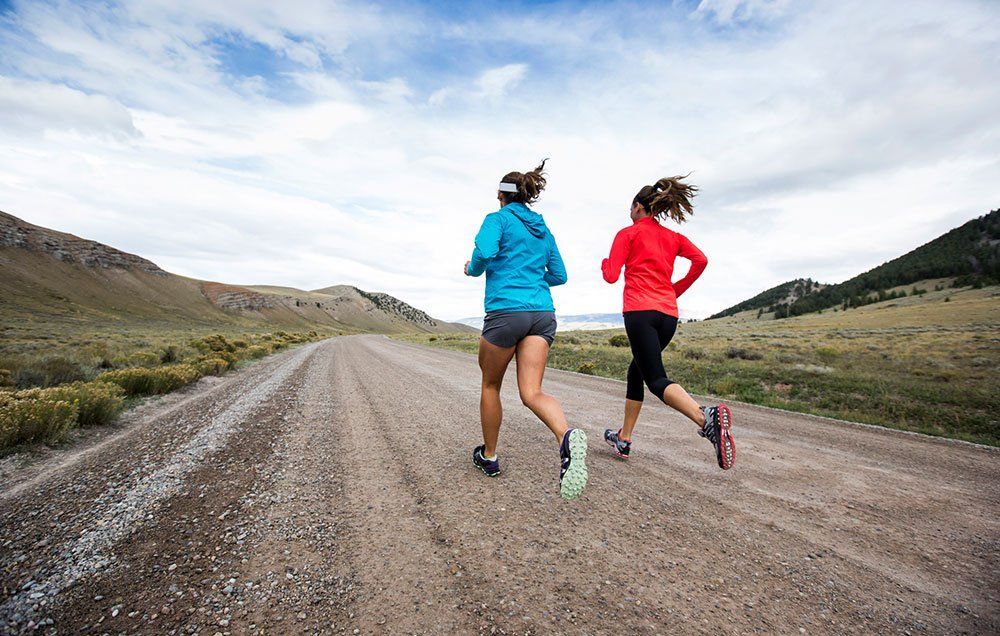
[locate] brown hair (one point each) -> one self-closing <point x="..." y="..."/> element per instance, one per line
<point x="669" y="196"/>
<point x="529" y="185"/>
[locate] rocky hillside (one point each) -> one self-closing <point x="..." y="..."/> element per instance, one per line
<point x="68" y="248"/>
<point x="48" y="276"/>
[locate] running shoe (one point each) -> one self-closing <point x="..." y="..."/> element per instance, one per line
<point x="718" y="421"/>
<point x="489" y="466"/>
<point x="573" y="471"/>
<point x="614" y="440"/>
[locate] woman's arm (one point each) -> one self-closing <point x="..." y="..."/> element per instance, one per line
<point x="698" y="264"/>
<point x="611" y="267"/>
<point x="487" y="245"/>
<point x="555" y="269"/>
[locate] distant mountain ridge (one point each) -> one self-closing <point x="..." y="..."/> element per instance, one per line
<point x="969" y="253"/>
<point x="46" y="274"/>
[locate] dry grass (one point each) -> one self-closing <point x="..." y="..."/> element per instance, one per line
<point x="920" y="364"/>
<point x="82" y="379"/>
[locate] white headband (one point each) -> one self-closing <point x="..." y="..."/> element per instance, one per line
<point x="507" y="187"/>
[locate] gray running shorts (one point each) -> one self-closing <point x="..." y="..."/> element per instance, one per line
<point x="507" y="329"/>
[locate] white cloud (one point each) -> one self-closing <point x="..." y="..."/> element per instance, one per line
<point x="35" y="108"/>
<point x="826" y="136"/>
<point x="491" y="84"/>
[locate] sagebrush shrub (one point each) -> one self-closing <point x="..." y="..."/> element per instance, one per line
<point x="211" y="366"/>
<point x="743" y="354"/>
<point x="618" y="340"/>
<point x="144" y="359"/>
<point x="25" y="417"/>
<point x="141" y="381"/>
<point x="215" y="342"/>
<point x="96" y="402"/>
<point x="257" y="351"/>
<point x="49" y="372"/>
<point x="170" y="354"/>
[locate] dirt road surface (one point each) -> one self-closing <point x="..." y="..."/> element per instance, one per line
<point x="329" y="489"/>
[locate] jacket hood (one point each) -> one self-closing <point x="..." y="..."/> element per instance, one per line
<point x="532" y="220"/>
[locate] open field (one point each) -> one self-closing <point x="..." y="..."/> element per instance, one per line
<point x="927" y="363"/>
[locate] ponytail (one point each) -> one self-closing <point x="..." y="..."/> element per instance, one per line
<point x="668" y="197"/>
<point x="529" y="184"/>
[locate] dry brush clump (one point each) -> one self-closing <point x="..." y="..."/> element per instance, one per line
<point x="140" y="381"/>
<point x="33" y="420"/>
<point x="96" y="402"/>
<point x="56" y="397"/>
<point x="618" y="340"/>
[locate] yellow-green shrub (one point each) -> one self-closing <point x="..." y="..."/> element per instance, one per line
<point x="211" y="366"/>
<point x="240" y="344"/>
<point x="213" y="343"/>
<point x="96" y="402"/>
<point x="618" y="340"/>
<point x="142" y="381"/>
<point x="6" y="378"/>
<point x="144" y="359"/>
<point x="25" y="417"/>
<point x="257" y="351"/>
<point x="230" y="358"/>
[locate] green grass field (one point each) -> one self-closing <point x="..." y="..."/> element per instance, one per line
<point x="924" y="364"/>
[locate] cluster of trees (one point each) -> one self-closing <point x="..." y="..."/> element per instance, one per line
<point x="970" y="252"/>
<point x="772" y="297"/>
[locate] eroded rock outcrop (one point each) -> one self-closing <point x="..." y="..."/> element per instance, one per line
<point x="68" y="248"/>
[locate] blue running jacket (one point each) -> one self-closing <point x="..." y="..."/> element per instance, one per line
<point x="519" y="255"/>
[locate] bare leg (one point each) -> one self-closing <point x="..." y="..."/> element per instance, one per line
<point x="531" y="355"/>
<point x="632" y="408"/>
<point x="678" y="399"/>
<point x="493" y="361"/>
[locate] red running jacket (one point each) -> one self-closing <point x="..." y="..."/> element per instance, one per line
<point x="647" y="250"/>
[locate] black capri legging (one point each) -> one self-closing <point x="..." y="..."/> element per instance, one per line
<point x="649" y="333"/>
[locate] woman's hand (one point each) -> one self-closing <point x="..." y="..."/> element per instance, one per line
<point x="465" y="268"/>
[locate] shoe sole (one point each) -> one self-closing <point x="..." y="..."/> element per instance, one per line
<point x="576" y="475"/>
<point x="615" y="449"/>
<point x="726" y="451"/>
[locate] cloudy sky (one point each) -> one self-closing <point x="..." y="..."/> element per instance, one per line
<point x="311" y="143"/>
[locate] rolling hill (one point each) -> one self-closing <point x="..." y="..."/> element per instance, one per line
<point x="967" y="255"/>
<point x="50" y="276"/>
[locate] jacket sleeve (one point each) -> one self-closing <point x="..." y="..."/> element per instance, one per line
<point x="698" y="263"/>
<point x="555" y="269"/>
<point x="611" y="267"/>
<point x="487" y="244"/>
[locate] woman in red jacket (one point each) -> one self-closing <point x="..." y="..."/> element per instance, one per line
<point x="647" y="251"/>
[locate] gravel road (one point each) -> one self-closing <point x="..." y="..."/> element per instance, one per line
<point x="329" y="489"/>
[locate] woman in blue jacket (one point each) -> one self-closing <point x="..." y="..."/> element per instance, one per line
<point x="519" y="256"/>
